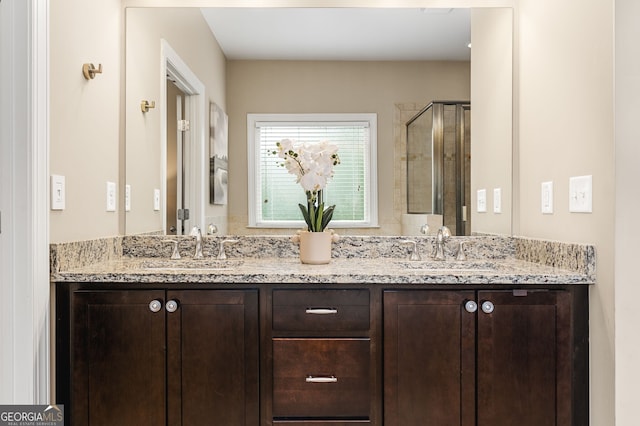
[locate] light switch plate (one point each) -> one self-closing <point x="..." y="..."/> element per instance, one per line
<point x="58" y="190"/>
<point x="156" y="199"/>
<point x="497" y="200"/>
<point x="481" y="206"/>
<point x="127" y="198"/>
<point x="546" y="201"/>
<point x="580" y="194"/>
<point x="111" y="196"/>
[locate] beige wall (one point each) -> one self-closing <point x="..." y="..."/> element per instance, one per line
<point x="186" y="31"/>
<point x="491" y="116"/>
<point x="332" y="87"/>
<point x="566" y="129"/>
<point x="627" y="290"/>
<point x="85" y="124"/>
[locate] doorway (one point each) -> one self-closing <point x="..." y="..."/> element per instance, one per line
<point x="176" y="208"/>
<point x="187" y="190"/>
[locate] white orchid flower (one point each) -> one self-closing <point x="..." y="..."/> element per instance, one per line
<point x="312" y="164"/>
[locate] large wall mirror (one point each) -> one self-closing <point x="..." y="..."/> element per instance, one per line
<point x="190" y="62"/>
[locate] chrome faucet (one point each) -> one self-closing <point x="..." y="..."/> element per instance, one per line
<point x="195" y="232"/>
<point x="221" y="253"/>
<point x="443" y="235"/>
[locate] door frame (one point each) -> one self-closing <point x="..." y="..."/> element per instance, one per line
<point x="24" y="238"/>
<point x="195" y="109"/>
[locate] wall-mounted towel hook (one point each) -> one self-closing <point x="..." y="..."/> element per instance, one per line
<point x="145" y="106"/>
<point x="89" y="71"/>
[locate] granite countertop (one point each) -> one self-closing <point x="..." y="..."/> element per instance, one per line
<point x="340" y="270"/>
<point x="355" y="259"/>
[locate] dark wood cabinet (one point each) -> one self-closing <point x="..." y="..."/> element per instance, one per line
<point x="524" y="359"/>
<point x="118" y="357"/>
<point x="429" y="360"/>
<point x="482" y="358"/>
<point x="330" y="355"/>
<point x="153" y="357"/>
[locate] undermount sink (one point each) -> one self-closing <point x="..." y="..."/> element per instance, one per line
<point x="190" y="264"/>
<point x="448" y="266"/>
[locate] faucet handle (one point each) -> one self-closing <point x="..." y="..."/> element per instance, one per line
<point x="195" y="232"/>
<point x="415" y="254"/>
<point x="444" y="233"/>
<point x="175" y="253"/>
<point x="424" y="229"/>
<point x="461" y="255"/>
<point x="221" y="253"/>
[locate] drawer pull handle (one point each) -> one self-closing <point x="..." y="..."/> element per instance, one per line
<point x="322" y="311"/>
<point x="321" y="379"/>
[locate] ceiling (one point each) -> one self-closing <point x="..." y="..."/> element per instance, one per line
<point x="360" y="34"/>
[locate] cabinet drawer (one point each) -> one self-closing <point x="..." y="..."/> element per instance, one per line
<point x="321" y="378"/>
<point x="321" y="310"/>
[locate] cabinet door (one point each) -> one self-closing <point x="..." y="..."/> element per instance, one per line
<point x="524" y="360"/>
<point x="429" y="356"/>
<point x="213" y="353"/>
<point x="118" y="358"/>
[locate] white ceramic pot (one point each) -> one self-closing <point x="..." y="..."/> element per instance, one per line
<point x="315" y="247"/>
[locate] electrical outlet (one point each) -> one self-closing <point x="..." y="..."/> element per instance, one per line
<point x="546" y="202"/>
<point x="111" y="196"/>
<point x="156" y="199"/>
<point x="127" y="198"/>
<point x="57" y="192"/>
<point x="497" y="200"/>
<point x="481" y="206"/>
<point x="580" y="194"/>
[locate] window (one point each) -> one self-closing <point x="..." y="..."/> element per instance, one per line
<point x="274" y="194"/>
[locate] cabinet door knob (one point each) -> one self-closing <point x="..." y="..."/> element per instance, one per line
<point x="172" y="305"/>
<point x="155" y="305"/>
<point x="487" y="307"/>
<point x="471" y="306"/>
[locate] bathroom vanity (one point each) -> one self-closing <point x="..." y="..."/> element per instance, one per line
<point x="357" y="342"/>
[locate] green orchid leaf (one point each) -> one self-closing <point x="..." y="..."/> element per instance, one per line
<point x="312" y="217"/>
<point x="305" y="215"/>
<point x="328" y="214"/>
<point x="318" y="222"/>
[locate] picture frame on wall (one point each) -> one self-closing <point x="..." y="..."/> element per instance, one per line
<point x="218" y="152"/>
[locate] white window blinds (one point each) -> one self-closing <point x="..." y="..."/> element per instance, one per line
<point x="276" y="194"/>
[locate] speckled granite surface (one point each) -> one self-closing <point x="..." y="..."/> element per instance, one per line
<point x="368" y="247"/>
<point x="274" y="259"/>
<point x="74" y="255"/>
<point x="575" y="257"/>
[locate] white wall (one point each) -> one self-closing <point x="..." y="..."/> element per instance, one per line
<point x="565" y="107"/>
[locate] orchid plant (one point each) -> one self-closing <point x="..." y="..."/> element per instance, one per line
<point x="312" y="164"/>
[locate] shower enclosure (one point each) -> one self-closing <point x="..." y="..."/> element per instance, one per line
<point x="439" y="163"/>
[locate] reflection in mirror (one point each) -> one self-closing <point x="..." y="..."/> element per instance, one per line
<point x="395" y="89"/>
<point x="438" y="164"/>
